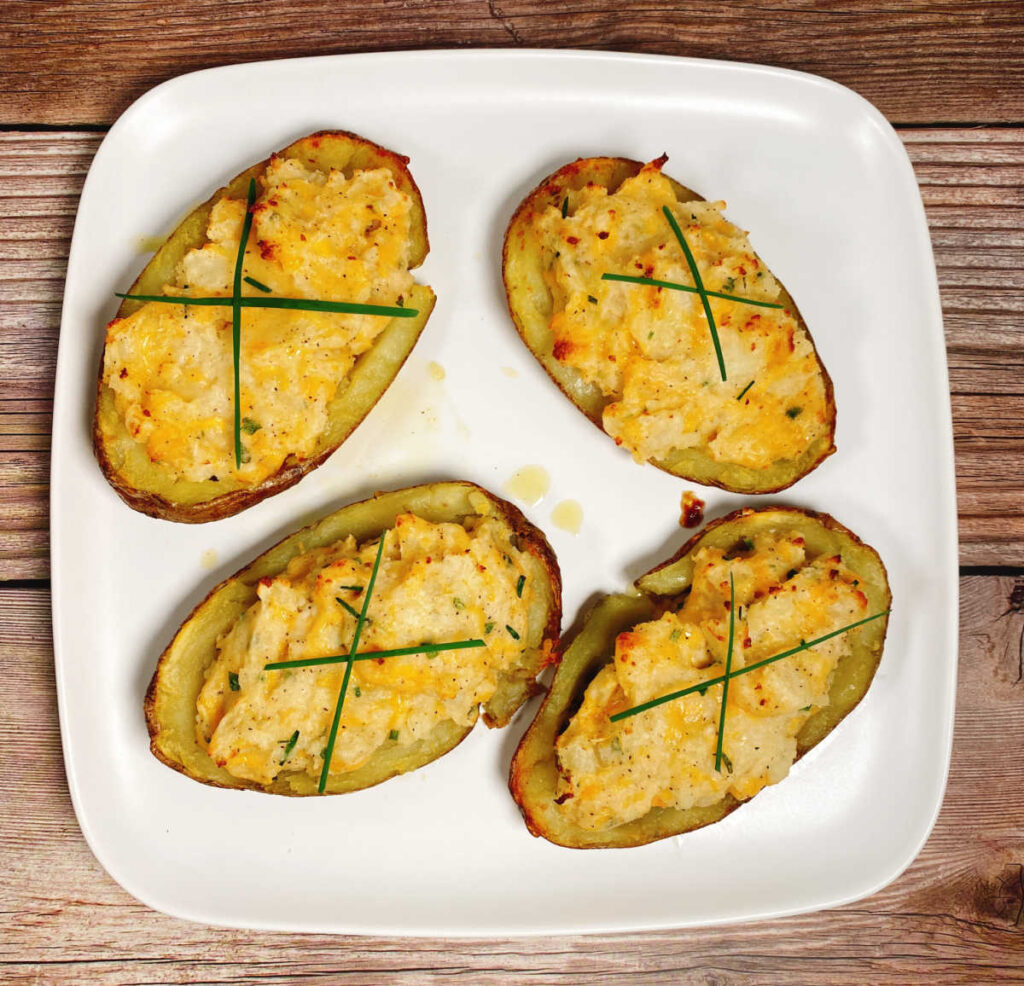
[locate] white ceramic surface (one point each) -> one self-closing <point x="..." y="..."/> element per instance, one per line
<point x="826" y="188"/>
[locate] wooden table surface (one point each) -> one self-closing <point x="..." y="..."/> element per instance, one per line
<point x="950" y="76"/>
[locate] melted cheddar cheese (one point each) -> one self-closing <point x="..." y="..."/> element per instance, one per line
<point x="315" y="234"/>
<point x="650" y="350"/>
<point x="436" y="583"/>
<point x="611" y="773"/>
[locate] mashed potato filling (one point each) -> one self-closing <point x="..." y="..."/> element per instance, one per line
<point x="315" y="234"/>
<point x="650" y="350"/>
<point x="611" y="773"/>
<point x="437" y="583"/>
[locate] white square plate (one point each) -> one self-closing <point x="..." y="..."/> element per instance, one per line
<point x="824" y="184"/>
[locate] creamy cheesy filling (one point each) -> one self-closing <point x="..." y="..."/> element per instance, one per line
<point x="611" y="773"/>
<point x="315" y="234"/>
<point x="437" y="583"/>
<point x="650" y="350"/>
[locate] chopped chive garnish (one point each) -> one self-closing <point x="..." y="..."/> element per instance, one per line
<point x="676" y="286"/>
<point x="236" y="319"/>
<point x="519" y="586"/>
<point x="348" y="608"/>
<point x="745" y="544"/>
<point x="352" y="656"/>
<point x="488" y="627"/>
<point x="705" y="685"/>
<point x="233" y="681"/>
<point x="333" y="737"/>
<point x="794" y="412"/>
<point x="236" y="303"/>
<point x="393" y="735"/>
<point x="728" y="668"/>
<point x="373" y="655"/>
<point x="727" y="762"/>
<point x="739" y="396"/>
<point x="591" y="299"/>
<point x="695" y="273"/>
<point x="565" y="206"/>
<point x="292" y="304"/>
<point x="290" y="745"/>
<point x="250" y="427"/>
<point x="698" y="289"/>
<point x="458" y="603"/>
<point x="352" y="588"/>
<point x="512" y="633"/>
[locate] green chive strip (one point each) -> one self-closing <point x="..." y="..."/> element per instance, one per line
<point x="705" y="685"/>
<point x="348" y="608"/>
<point x="289" y="746"/>
<point x="373" y="655"/>
<point x="259" y="285"/>
<point x="236" y="320"/>
<point x="519" y="586"/>
<point x="332" y="738"/>
<point x="744" y="390"/>
<point x="298" y="304"/>
<point x="565" y="206"/>
<point x="652" y="282"/>
<point x="514" y="635"/>
<point x="352" y="588"/>
<point x="728" y="669"/>
<point x="700" y="287"/>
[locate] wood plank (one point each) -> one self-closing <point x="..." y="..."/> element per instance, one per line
<point x="956" y="915"/>
<point x="972" y="184"/>
<point x="85" y="61"/>
<point x="40" y="182"/>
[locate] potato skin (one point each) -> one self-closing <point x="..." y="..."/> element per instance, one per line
<point x="148" y="488"/>
<point x="530" y="304"/>
<point x="170" y="703"/>
<point x="533" y="773"/>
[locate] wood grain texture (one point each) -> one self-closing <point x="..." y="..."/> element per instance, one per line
<point x="40" y="182"/>
<point x="85" y="61"/>
<point x="957" y="915"/>
<point x="972" y="183"/>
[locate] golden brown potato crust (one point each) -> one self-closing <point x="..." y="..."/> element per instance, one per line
<point x="534" y="771"/>
<point x="530" y="305"/>
<point x="170" y="703"/>
<point x="152" y="490"/>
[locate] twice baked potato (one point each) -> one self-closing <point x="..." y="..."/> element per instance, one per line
<point x="585" y="776"/>
<point x="744" y="404"/>
<point x="458" y="565"/>
<point x="337" y="219"/>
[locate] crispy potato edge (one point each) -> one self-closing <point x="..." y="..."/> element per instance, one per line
<point x="142" y="485"/>
<point x="528" y="300"/>
<point x="533" y="771"/>
<point x="169" y="704"/>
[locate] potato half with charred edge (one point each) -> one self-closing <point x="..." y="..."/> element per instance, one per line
<point x="535" y="772"/>
<point x="159" y="489"/>
<point x="171" y="700"/>
<point x="650" y="385"/>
